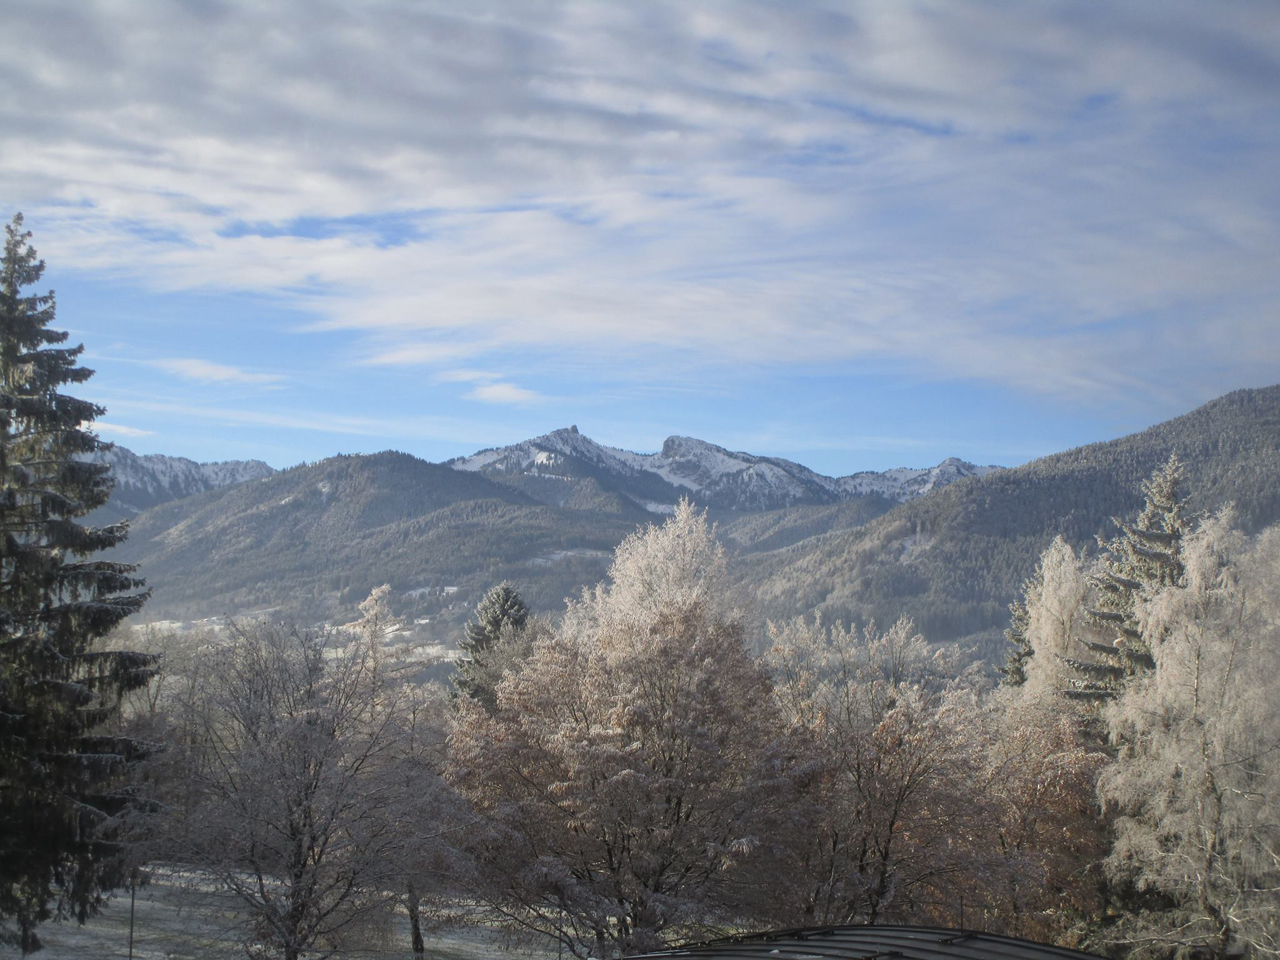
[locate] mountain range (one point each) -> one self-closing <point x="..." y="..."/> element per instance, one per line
<point x="949" y="545"/>
<point x="551" y="468"/>
<point x="142" y="482"/>
<point x="953" y="560"/>
<point x="311" y="541"/>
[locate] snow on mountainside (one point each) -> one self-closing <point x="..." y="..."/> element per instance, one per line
<point x="146" y="481"/>
<point x="904" y="483"/>
<point x="711" y="474"/>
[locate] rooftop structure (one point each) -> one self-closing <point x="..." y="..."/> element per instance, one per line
<point x="866" y="942"/>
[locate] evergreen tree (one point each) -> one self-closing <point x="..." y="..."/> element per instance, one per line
<point x="1014" y="671"/>
<point x="60" y="774"/>
<point x="500" y="613"/>
<point x="1144" y="557"/>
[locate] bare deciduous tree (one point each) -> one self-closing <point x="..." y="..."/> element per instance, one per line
<point x="285" y="797"/>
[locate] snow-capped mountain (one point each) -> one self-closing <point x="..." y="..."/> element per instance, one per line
<point x="904" y="483"/>
<point x="146" y="481"/>
<point x="549" y="466"/>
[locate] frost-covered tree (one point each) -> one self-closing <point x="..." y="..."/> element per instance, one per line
<point x="377" y="623"/>
<point x="663" y="570"/>
<point x="1058" y="629"/>
<point x="1143" y="557"/>
<point x="288" y="788"/>
<point x="880" y="833"/>
<point x="632" y="766"/>
<point x="1196" y="782"/>
<point x="60" y="771"/>
<point x="500" y="607"/>
<point x="1048" y="617"/>
<point x="1037" y="793"/>
<point x="491" y="638"/>
<point x="422" y="810"/>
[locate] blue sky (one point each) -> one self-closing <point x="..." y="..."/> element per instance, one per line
<point x="859" y="235"/>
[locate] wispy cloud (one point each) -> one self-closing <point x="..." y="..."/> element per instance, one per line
<point x="466" y="376"/>
<point x="377" y="429"/>
<point x="202" y="371"/>
<point x="1018" y="195"/>
<point x="119" y="429"/>
<point x="415" y="354"/>
<point x="506" y="393"/>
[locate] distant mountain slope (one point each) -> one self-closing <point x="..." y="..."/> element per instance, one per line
<point x="142" y="482"/>
<point x="312" y="541"/>
<point x="955" y="559"/>
<point x="550" y="467"/>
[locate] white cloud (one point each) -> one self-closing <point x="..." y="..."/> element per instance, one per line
<point x="415" y="354"/>
<point x="1019" y="194"/>
<point x="202" y="371"/>
<point x="119" y="429"/>
<point x="466" y="376"/>
<point x="506" y="393"/>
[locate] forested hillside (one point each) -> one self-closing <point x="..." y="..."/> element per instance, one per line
<point x="314" y="540"/>
<point x="955" y="559"/>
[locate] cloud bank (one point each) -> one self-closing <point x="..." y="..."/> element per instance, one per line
<point x="1069" y="199"/>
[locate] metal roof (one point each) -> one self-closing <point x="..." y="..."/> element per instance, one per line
<point x="865" y="942"/>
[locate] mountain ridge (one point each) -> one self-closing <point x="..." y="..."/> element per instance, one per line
<point x="955" y="559"/>
<point x="711" y="474"/>
<point x="143" y="481"/>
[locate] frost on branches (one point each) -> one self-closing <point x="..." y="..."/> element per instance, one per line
<point x="1196" y="783"/>
<point x="873" y="840"/>
<point x="929" y="801"/>
<point x="302" y="779"/>
<point x="634" y="765"/>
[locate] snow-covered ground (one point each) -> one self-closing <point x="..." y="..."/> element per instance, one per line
<point x="172" y="922"/>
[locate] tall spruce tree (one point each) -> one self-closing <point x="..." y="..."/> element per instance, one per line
<point x="60" y="770"/>
<point x="1014" y="671"/>
<point x="500" y="613"/>
<point x="1143" y="557"/>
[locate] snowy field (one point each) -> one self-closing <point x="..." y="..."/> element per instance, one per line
<point x="174" y="923"/>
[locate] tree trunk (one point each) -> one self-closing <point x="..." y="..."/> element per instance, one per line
<point x="415" y="922"/>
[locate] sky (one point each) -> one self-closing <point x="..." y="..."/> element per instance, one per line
<point x="857" y="235"/>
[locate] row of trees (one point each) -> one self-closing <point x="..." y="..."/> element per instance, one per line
<point x="630" y="775"/>
<point x="1167" y="648"/>
<point x="644" y="776"/>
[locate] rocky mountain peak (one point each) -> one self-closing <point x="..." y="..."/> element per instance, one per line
<point x="144" y="481"/>
<point x="686" y="466"/>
